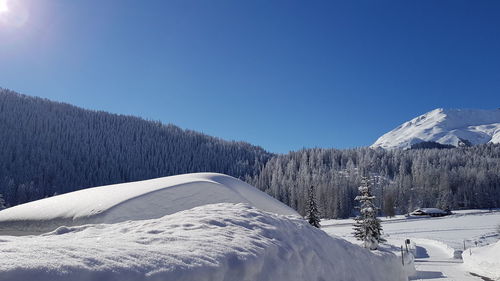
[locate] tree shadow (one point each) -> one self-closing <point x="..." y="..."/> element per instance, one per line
<point x="428" y="275"/>
<point x="421" y="252"/>
<point x="480" y="276"/>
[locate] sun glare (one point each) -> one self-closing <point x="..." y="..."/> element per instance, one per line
<point x="3" y="6"/>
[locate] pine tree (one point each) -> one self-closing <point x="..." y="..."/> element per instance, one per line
<point x="312" y="211"/>
<point x="367" y="227"/>
<point x="389" y="205"/>
<point x="2" y="202"/>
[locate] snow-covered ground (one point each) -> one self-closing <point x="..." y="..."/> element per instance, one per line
<point x="134" y="201"/>
<point x="223" y="241"/>
<point x="484" y="260"/>
<point x="169" y="229"/>
<point x="436" y="240"/>
<point x="214" y="227"/>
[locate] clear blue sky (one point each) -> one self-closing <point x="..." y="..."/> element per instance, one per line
<point x="279" y="74"/>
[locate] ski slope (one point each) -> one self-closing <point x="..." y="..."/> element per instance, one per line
<point x="134" y="201"/>
<point x="437" y="239"/>
<point x="445" y="126"/>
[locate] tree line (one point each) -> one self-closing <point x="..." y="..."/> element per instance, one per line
<point x="464" y="177"/>
<point x="49" y="148"/>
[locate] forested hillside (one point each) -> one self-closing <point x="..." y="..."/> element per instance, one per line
<point x="467" y="177"/>
<point x="48" y="147"/>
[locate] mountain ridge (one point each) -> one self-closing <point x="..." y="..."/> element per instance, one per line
<point x="445" y="126"/>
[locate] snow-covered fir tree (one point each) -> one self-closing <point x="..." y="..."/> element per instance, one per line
<point x="312" y="211"/>
<point x="2" y="202"/>
<point x="367" y="227"/>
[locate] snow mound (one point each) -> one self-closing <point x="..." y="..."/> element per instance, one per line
<point x="445" y="126"/>
<point x="484" y="261"/>
<point x="222" y="241"/>
<point x="134" y="201"/>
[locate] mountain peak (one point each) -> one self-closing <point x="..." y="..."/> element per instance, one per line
<point x="445" y="126"/>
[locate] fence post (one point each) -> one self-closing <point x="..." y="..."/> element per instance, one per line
<point x="402" y="256"/>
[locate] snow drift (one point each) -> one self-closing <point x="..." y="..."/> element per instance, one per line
<point x="445" y="126"/>
<point x="222" y="241"/>
<point x="484" y="260"/>
<point x="134" y="201"/>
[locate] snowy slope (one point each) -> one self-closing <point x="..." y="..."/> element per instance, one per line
<point x="213" y="242"/>
<point x="445" y="126"/>
<point x="134" y="201"/>
<point x="484" y="260"/>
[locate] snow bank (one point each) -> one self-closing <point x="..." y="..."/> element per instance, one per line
<point x="405" y="259"/>
<point x="213" y="242"/>
<point x="409" y="264"/>
<point x="444" y="247"/>
<point x="484" y="261"/>
<point x="134" y="201"/>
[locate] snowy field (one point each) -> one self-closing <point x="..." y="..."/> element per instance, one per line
<point x="257" y="238"/>
<point x="436" y="240"/>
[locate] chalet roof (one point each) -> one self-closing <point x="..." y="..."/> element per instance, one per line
<point x="431" y="210"/>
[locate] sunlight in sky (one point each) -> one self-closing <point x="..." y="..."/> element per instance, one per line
<point x="13" y="14"/>
<point x="3" y="6"/>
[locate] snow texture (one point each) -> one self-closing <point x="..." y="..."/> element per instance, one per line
<point x="445" y="126"/>
<point x="134" y="201"/>
<point x="484" y="261"/>
<point x="222" y="241"/>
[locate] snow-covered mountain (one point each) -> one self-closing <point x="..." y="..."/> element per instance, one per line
<point x="149" y="199"/>
<point x="445" y="126"/>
